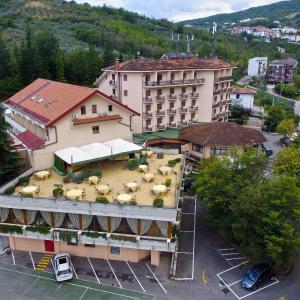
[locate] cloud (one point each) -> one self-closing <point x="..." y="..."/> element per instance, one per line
<point x="178" y="10"/>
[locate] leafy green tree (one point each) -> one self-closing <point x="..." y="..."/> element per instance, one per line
<point x="286" y="127"/>
<point x="60" y="67"/>
<point x="288" y="162"/>
<point x="108" y="57"/>
<point x="239" y="114"/>
<point x="275" y="115"/>
<point x="9" y="158"/>
<point x="4" y="60"/>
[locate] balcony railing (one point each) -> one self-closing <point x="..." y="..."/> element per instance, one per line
<point x="172" y="125"/>
<point x="147" y="99"/>
<point x="194" y="95"/>
<point x="147" y="114"/>
<point x="182" y="123"/>
<point x="194" y="121"/>
<point x="217" y="92"/>
<point x="215" y="105"/>
<point x="147" y="129"/>
<point x="160" y="112"/>
<point x="183" y="95"/>
<point x="172" y="97"/>
<point x="174" y="82"/>
<point x="193" y="108"/>
<point x="182" y="109"/>
<point x="160" y="127"/>
<point x="224" y="78"/>
<point x="160" y="99"/>
<point x="171" y="111"/>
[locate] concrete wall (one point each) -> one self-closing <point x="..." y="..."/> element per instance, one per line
<point x="245" y="100"/>
<point x="15" y="180"/>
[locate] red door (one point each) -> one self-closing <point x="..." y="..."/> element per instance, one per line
<point x="49" y="246"/>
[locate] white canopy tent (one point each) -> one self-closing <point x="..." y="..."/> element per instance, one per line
<point x="96" y="151"/>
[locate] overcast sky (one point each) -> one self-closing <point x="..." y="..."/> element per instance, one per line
<point x="178" y="10"/>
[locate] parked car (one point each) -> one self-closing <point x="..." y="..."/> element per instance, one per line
<point x="258" y="275"/>
<point x="267" y="149"/>
<point x="62" y="267"/>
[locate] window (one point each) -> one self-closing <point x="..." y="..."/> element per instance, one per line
<point x="218" y="151"/>
<point x="96" y="129"/>
<point x="183" y="90"/>
<point x="172" y="91"/>
<point x="237" y="96"/>
<point x="110" y="107"/>
<point x="83" y="110"/>
<point x="94" y="108"/>
<point x="197" y="148"/>
<point x="125" y="93"/>
<point x="113" y="77"/>
<point x="184" y="75"/>
<point x="125" y="77"/>
<point x="89" y="245"/>
<point x="148" y="93"/>
<point x="194" y="89"/>
<point x="115" y="250"/>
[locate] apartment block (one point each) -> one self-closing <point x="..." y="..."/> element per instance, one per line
<point x="281" y="71"/>
<point x="170" y="92"/>
<point x="257" y="66"/>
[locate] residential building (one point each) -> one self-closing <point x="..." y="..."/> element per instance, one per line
<point x="206" y="140"/>
<point x="170" y="92"/>
<point x="257" y="66"/>
<point x="281" y="71"/>
<point x="243" y="97"/>
<point x="47" y="116"/>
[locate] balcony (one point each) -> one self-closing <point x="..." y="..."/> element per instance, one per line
<point x="167" y="83"/>
<point x="147" y="99"/>
<point x="147" y="115"/>
<point x="215" y="105"/>
<point x="171" y="111"/>
<point x="183" y="96"/>
<point x="194" y="121"/>
<point x="160" y="99"/>
<point x="160" y="112"/>
<point x="172" y="97"/>
<point x="160" y="127"/>
<point x="193" y="108"/>
<point x="172" y="125"/>
<point x="214" y="118"/>
<point x="194" y="95"/>
<point x="182" y="109"/>
<point x="224" y="78"/>
<point x="217" y="92"/>
<point x="100" y="117"/>
<point x="182" y="123"/>
<point x="147" y="128"/>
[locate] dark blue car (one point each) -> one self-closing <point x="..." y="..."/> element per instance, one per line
<point x="258" y="275"/>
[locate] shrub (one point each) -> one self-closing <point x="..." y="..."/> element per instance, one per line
<point x="173" y="162"/>
<point x="160" y="155"/>
<point x="78" y="177"/>
<point x="176" y="232"/>
<point x="132" y="202"/>
<point x="58" y="190"/>
<point x="23" y="180"/>
<point x="133" y="164"/>
<point x="66" y="179"/>
<point x="123" y="238"/>
<point x="10" y="229"/>
<point x="94" y="234"/>
<point x="39" y="229"/>
<point x="94" y="172"/>
<point x="68" y="236"/>
<point x="102" y="199"/>
<point x="10" y="190"/>
<point x="168" y="181"/>
<point x="158" y="202"/>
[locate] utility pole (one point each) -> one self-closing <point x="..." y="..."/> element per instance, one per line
<point x="214" y="31"/>
<point x="176" y="40"/>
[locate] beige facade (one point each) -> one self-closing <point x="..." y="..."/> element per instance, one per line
<point x="64" y="133"/>
<point x="170" y="98"/>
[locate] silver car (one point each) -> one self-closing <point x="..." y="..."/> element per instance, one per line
<point x="62" y="267"/>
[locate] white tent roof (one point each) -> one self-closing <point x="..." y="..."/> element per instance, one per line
<point x="96" y="151"/>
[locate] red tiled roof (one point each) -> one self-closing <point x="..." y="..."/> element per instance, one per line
<point x="238" y="90"/>
<point x="30" y="140"/>
<point x="48" y="101"/>
<point x="96" y="119"/>
<point x="222" y="134"/>
<point x="170" y="64"/>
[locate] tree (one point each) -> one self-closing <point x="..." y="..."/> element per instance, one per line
<point x="286" y="127"/>
<point x="288" y="162"/>
<point x="60" y="67"/>
<point x="9" y="159"/>
<point x="275" y="115"/>
<point x="5" y="60"/>
<point x="108" y="58"/>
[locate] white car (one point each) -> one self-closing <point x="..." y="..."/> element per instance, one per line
<point x="62" y="267"/>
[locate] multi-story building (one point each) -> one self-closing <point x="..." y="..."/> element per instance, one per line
<point x="281" y="71"/>
<point x="257" y="66"/>
<point x="170" y="92"/>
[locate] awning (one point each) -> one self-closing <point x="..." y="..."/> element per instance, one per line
<point x="96" y="151"/>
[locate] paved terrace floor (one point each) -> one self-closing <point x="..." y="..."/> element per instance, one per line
<point x="116" y="174"/>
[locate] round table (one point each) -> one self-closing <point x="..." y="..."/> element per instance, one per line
<point x="124" y="197"/>
<point x="165" y="170"/>
<point x="103" y="189"/>
<point x="132" y="186"/>
<point x="29" y="190"/>
<point x="147" y="153"/>
<point x="42" y="174"/>
<point x="159" y="189"/>
<point x="74" y="194"/>
<point x="93" y="180"/>
<point x="143" y="168"/>
<point x="149" y="177"/>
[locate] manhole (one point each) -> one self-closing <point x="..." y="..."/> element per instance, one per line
<point x="225" y="291"/>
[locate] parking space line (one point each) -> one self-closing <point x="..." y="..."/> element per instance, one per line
<point x="235" y="258"/>
<point x="234" y="282"/>
<point x="29" y="287"/>
<point x="232" y="268"/>
<point x="232" y="253"/>
<point x="13" y="257"/>
<point x="135" y="276"/>
<point x="230" y="289"/>
<point x="93" y="270"/>
<point x="81" y="297"/>
<point x="74" y="270"/>
<point x="188" y="213"/>
<point x="114" y="274"/>
<point x="224" y="249"/>
<point x="156" y="279"/>
<point x="190" y="253"/>
<point x="32" y="260"/>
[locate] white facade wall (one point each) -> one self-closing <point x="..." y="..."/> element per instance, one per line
<point x="257" y="66"/>
<point x="245" y="100"/>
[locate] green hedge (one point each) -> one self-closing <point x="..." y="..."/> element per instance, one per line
<point x="94" y="234"/>
<point x="158" y="202"/>
<point x="10" y="229"/>
<point x="67" y="236"/>
<point x="39" y="229"/>
<point x="10" y="190"/>
<point x="102" y="199"/>
<point x="24" y="180"/>
<point x="123" y="238"/>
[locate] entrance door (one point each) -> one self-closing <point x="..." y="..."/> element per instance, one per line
<point x="49" y="246"/>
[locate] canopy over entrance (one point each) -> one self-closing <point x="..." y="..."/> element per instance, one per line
<point x="96" y="151"/>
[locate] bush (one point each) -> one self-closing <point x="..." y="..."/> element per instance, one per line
<point x="10" y="190"/>
<point x="133" y="164"/>
<point x="132" y="202"/>
<point x="173" y="162"/>
<point x="168" y="182"/>
<point x="94" y="172"/>
<point x="66" y="179"/>
<point x="176" y="232"/>
<point x="39" y="229"/>
<point x="160" y="155"/>
<point x="78" y="177"/>
<point x="158" y="202"/>
<point x="24" y="180"/>
<point x="94" y="234"/>
<point x="10" y="229"/>
<point x="58" y="190"/>
<point x="102" y="199"/>
<point x="68" y="236"/>
<point x="123" y="238"/>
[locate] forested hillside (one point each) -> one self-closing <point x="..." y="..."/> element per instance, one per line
<point x="288" y="12"/>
